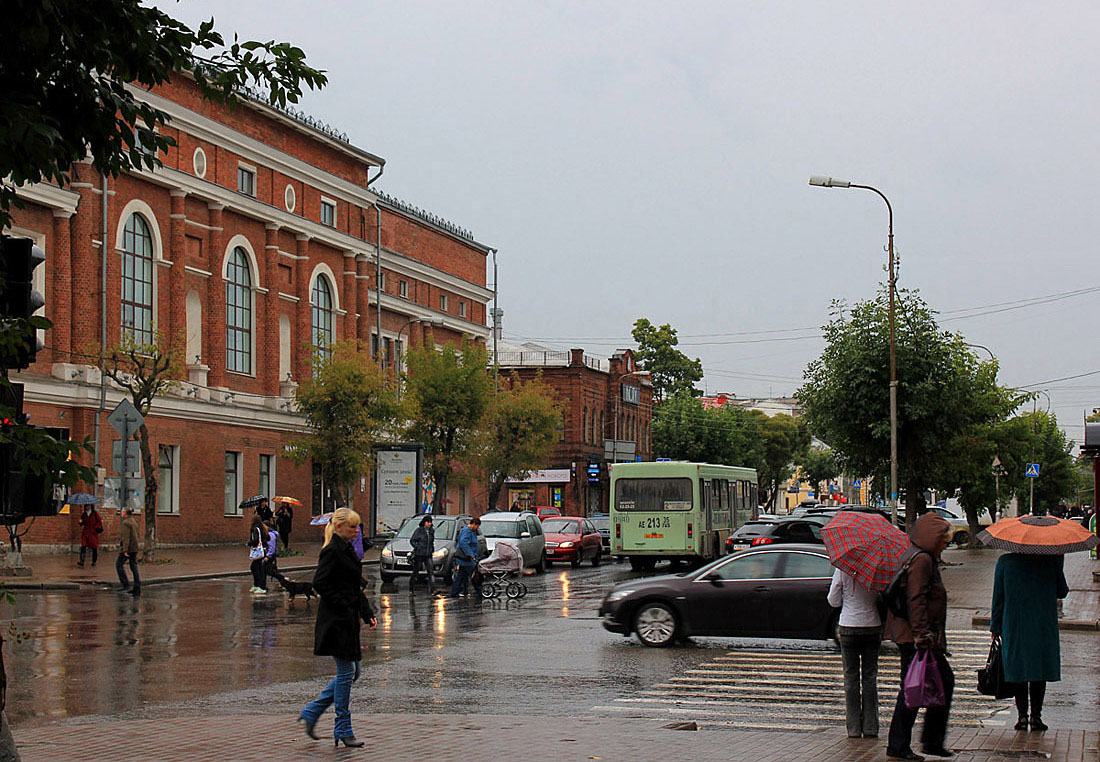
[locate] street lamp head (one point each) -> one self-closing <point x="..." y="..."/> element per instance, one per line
<point x="828" y="182"/>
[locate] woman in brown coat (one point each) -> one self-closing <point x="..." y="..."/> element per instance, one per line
<point x="925" y="629"/>
<point x="338" y="581"/>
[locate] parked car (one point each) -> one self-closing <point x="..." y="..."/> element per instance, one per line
<point x="394" y="560"/>
<point x="807" y="529"/>
<point x="743" y="536"/>
<point x="832" y="510"/>
<point x="525" y="528"/>
<point x="774" y="591"/>
<point x="960" y="527"/>
<point x="546" y="511"/>
<point x="572" y="539"/>
<point x="602" y="522"/>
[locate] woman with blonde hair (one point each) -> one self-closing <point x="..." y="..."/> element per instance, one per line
<point x="338" y="582"/>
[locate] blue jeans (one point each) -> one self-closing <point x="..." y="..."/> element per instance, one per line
<point x="338" y="691"/>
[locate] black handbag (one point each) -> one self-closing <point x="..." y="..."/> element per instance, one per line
<point x="991" y="677"/>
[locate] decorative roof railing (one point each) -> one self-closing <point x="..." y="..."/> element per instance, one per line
<point x="295" y="114"/>
<point x="426" y="216"/>
<point x="548" y="358"/>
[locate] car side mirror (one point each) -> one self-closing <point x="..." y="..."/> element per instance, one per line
<point x="714" y="578"/>
<point x="524" y="535"/>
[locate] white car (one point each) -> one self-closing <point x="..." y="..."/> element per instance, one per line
<point x="961" y="528"/>
<point x="524" y="528"/>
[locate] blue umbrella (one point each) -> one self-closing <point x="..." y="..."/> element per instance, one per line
<point x="81" y="498"/>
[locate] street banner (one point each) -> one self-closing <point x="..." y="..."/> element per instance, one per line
<point x="397" y="487"/>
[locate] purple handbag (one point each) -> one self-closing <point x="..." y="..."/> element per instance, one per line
<point x="923" y="685"/>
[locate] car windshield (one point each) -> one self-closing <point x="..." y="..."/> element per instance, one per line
<point x="444" y="529"/>
<point x="602" y="523"/>
<point x="561" y="526"/>
<point x="510" y="529"/>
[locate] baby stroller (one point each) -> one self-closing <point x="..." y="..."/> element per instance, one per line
<point x="501" y="571"/>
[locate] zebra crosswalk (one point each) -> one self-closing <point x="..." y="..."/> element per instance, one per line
<point x="761" y="688"/>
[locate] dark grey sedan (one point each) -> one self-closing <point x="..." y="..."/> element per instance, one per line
<point x="774" y="591"/>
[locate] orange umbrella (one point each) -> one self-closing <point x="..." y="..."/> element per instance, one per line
<point x="1043" y="535"/>
<point x="288" y="500"/>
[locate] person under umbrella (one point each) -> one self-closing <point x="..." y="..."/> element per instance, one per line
<point x="91" y="526"/>
<point x="1027" y="584"/>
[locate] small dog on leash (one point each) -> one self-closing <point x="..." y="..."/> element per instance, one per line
<point x="297" y="588"/>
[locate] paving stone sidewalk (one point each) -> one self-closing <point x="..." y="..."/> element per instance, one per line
<point x="58" y="571"/>
<point x="472" y="737"/>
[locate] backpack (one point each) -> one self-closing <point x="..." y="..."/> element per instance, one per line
<point x="895" y="598"/>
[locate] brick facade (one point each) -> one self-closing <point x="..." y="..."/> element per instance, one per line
<point x="590" y="393"/>
<point x="197" y="218"/>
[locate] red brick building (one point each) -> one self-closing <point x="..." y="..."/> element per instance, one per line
<point x="608" y="415"/>
<point x="258" y="240"/>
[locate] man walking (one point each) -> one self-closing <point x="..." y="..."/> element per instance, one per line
<point x="127" y="551"/>
<point x="423" y="546"/>
<point x="465" y="556"/>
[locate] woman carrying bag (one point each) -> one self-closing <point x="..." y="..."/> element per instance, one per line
<point x="338" y="581"/>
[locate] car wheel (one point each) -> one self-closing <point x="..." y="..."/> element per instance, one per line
<point x="549" y="563"/>
<point x="596" y="557"/>
<point x="962" y="538"/>
<point x="540" y="567"/>
<point x="656" y="624"/>
<point x="386" y="577"/>
<point x="576" y="561"/>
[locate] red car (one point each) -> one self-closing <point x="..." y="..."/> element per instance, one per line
<point x="572" y="539"/>
<point x="545" y="511"/>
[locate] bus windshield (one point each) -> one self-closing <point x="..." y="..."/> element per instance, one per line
<point x="660" y="494"/>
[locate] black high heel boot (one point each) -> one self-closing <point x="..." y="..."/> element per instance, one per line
<point x="1021" y="723"/>
<point x="1037" y="723"/>
<point x="351" y="742"/>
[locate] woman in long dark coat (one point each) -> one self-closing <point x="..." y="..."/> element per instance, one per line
<point x="1026" y="589"/>
<point x="338" y="581"/>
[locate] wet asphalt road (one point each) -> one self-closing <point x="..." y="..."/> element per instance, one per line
<point x="211" y="647"/>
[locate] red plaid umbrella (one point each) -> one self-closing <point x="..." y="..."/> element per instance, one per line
<point x="866" y="546"/>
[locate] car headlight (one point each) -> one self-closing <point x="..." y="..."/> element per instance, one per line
<point x="440" y="554"/>
<point x="566" y="544"/>
<point x="387" y="552"/>
<point x="618" y="595"/>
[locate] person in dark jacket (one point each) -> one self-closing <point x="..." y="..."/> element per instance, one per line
<point x="128" y="547"/>
<point x="258" y="539"/>
<point x="284" y="522"/>
<point x="423" y="546"/>
<point x="338" y="582"/>
<point x="1026" y="589"/>
<point x="91" y="526"/>
<point x="925" y="629"/>
<point x="466" y="552"/>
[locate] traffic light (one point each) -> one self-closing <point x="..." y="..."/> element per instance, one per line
<point x="19" y="301"/>
<point x="22" y="494"/>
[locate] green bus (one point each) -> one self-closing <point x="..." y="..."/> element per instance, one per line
<point x="677" y="511"/>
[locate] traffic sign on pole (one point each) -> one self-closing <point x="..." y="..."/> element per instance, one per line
<point x="128" y="460"/>
<point x="125" y="418"/>
<point x="1032" y="470"/>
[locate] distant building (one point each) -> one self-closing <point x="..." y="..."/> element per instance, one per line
<point x="607" y="418"/>
<point x="769" y="406"/>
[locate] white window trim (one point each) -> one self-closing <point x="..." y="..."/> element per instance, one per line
<point x="237" y="498"/>
<point x="290" y="197"/>
<point x="248" y="168"/>
<point x="250" y="257"/>
<point x="403" y="289"/>
<point x="462" y="309"/>
<point x="335" y="211"/>
<point x="443" y="302"/>
<point x="175" y="458"/>
<point x="271" y="477"/>
<point x="333" y="284"/>
<point x="195" y="160"/>
<point x="146" y="211"/>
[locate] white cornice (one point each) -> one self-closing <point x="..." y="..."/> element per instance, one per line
<point x="399" y="263"/>
<point x="250" y="149"/>
<point x="50" y="196"/>
<point x="414" y="311"/>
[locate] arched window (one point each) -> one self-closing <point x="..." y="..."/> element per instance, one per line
<point x="238" y="313"/>
<point x="321" y="302"/>
<point x="137" y="280"/>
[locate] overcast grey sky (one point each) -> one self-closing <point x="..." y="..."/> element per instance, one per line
<point x="651" y="159"/>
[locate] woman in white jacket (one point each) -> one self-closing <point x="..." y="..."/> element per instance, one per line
<point x="860" y="637"/>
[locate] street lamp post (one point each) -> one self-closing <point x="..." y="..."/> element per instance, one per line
<point x="829" y="182"/>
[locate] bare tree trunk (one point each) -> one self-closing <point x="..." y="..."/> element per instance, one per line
<point x="150" y="509"/>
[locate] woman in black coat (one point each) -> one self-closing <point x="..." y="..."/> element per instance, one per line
<point x="338" y="582"/>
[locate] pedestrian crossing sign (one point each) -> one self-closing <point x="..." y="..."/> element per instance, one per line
<point x="1032" y="470"/>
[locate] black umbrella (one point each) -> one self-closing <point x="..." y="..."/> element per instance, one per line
<point x="253" y="501"/>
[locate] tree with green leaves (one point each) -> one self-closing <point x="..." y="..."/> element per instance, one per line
<point x="145" y="371"/>
<point x="785" y="439"/>
<point x="518" y="433"/>
<point x="447" y="392"/>
<point x="671" y="371"/>
<point x="683" y="429"/>
<point x="943" y="389"/>
<point x="348" y="407"/>
<point x="818" y="466"/>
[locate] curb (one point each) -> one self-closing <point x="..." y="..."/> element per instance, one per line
<point x="60" y="586"/>
<point x="1063" y="624"/>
